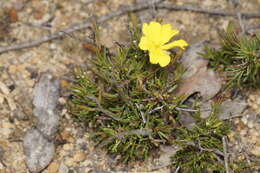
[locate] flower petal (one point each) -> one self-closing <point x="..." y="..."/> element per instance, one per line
<point x="153" y="31"/>
<point x="153" y="57"/>
<point x="145" y="29"/>
<point x="179" y="43"/>
<point x="144" y="43"/>
<point x="159" y="56"/>
<point x="167" y="33"/>
<point x="165" y="59"/>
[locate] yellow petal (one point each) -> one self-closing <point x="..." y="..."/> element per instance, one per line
<point x="145" y="29"/>
<point x="167" y="33"/>
<point x="153" y="32"/>
<point x="159" y="56"/>
<point x="144" y="43"/>
<point x="164" y="59"/>
<point x="153" y="57"/>
<point x="179" y="43"/>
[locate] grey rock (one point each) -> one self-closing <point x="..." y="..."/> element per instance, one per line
<point x="45" y="94"/>
<point x="45" y="101"/>
<point x="187" y="120"/>
<point x="48" y="123"/>
<point x="38" y="145"/>
<point x="39" y="150"/>
<point x="165" y="157"/>
<point x="228" y="109"/>
<point x="63" y="168"/>
<point x="206" y="109"/>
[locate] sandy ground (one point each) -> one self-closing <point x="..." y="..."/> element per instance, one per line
<point x="19" y="71"/>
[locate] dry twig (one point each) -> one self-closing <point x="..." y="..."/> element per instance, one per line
<point x="239" y="16"/>
<point x="117" y="13"/>
<point x="225" y="154"/>
<point x="101" y="109"/>
<point x="177" y="169"/>
<point x="210" y="12"/>
<point x="77" y="27"/>
<point x="121" y="135"/>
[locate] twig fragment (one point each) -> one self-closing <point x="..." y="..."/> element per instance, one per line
<point x="141" y="112"/>
<point x="177" y="169"/>
<point x="121" y="135"/>
<point x="101" y="109"/>
<point x="156" y="109"/>
<point x="205" y="11"/>
<point x="185" y="109"/>
<point x="225" y="154"/>
<point x="76" y="27"/>
<point x="239" y="16"/>
<point x="88" y="23"/>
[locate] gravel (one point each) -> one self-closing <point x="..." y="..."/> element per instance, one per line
<point x="22" y="68"/>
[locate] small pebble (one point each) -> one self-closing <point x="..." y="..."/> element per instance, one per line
<point x="250" y="124"/>
<point x="243" y="132"/>
<point x="62" y="100"/>
<point x="256" y="151"/>
<point x="53" y="46"/>
<point x="79" y="156"/>
<point x="68" y="146"/>
<point x="244" y="119"/>
<point x="53" y="167"/>
<point x="70" y="162"/>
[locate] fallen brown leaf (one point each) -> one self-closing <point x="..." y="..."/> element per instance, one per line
<point x="198" y="78"/>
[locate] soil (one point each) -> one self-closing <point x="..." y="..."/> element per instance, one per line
<point x="23" y="20"/>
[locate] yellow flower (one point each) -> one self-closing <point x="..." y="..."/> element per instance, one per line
<point x="155" y="39"/>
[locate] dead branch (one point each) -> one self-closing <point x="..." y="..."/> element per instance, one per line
<point x="101" y="109"/>
<point x="225" y="154"/>
<point x="119" y="12"/>
<point x="77" y="27"/>
<point x="121" y="135"/>
<point x="204" y="11"/>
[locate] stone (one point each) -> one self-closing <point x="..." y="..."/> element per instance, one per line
<point x="70" y="162"/>
<point x="65" y="135"/>
<point x="53" y="167"/>
<point x="68" y="147"/>
<point x="256" y="151"/>
<point x="38" y="145"/>
<point x="79" y="156"/>
<point x="165" y="154"/>
<point x="48" y="123"/>
<point x="45" y="101"/>
<point x="46" y="94"/>
<point x="230" y="108"/>
<point x="187" y="120"/>
<point x="7" y="125"/>
<point x="39" y="151"/>
<point x="63" y="168"/>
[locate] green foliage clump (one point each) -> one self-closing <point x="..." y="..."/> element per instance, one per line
<point x="131" y="108"/>
<point x="238" y="58"/>
<point x="201" y="147"/>
<point x="127" y="101"/>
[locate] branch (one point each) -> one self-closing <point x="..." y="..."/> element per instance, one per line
<point x="77" y="27"/>
<point x="121" y="135"/>
<point x="204" y="11"/>
<point x="120" y="12"/>
<point x="101" y="109"/>
<point x="225" y="154"/>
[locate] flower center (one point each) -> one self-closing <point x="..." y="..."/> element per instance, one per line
<point x="157" y="46"/>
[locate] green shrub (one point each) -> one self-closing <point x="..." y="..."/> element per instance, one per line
<point x="238" y="58"/>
